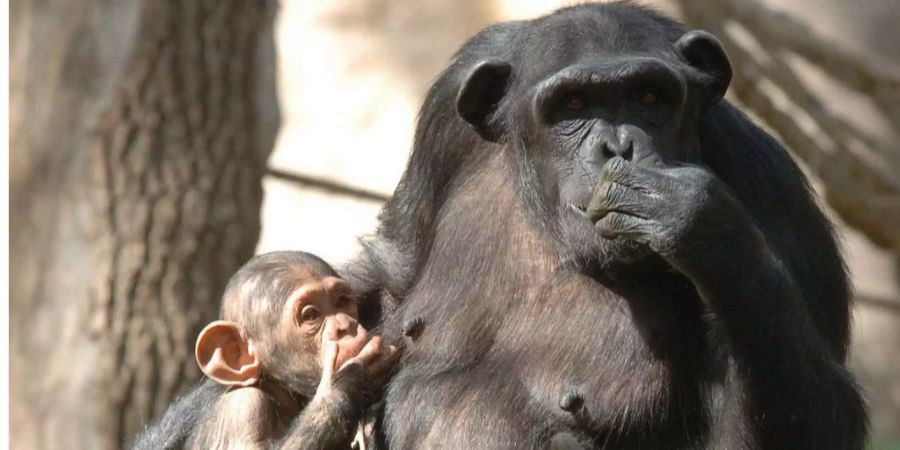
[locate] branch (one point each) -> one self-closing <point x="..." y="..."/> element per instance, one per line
<point x="853" y="70"/>
<point x="328" y="186"/>
<point x="859" y="173"/>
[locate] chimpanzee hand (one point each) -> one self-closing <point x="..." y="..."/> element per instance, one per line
<point x="375" y="361"/>
<point x="344" y="396"/>
<point x="672" y="210"/>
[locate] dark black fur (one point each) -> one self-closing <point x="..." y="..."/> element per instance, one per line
<point x="522" y="307"/>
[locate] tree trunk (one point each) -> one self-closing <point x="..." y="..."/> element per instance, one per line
<point x="139" y="135"/>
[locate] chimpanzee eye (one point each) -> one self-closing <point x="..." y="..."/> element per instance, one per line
<point x="343" y="302"/>
<point x="648" y="97"/>
<point x="575" y="102"/>
<point x="310" y="314"/>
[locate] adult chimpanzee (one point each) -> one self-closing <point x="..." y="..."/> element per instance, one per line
<point x="588" y="241"/>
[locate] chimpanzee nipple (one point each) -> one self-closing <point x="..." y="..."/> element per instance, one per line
<point x="572" y="400"/>
<point x="412" y="328"/>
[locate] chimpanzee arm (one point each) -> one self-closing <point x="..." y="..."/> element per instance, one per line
<point x="785" y="387"/>
<point x="330" y="420"/>
<point x="795" y="393"/>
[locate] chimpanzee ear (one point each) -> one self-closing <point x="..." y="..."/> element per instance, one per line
<point x="225" y="356"/>
<point x="479" y="95"/>
<point x="704" y="52"/>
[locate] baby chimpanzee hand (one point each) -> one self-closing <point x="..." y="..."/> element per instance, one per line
<point x="374" y="360"/>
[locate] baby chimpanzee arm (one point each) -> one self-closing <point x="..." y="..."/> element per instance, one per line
<point x="330" y="419"/>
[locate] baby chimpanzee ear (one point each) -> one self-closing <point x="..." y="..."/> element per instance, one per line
<point x="225" y="356"/>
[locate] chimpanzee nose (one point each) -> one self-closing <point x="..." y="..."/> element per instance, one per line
<point x="625" y="149"/>
<point x="342" y="325"/>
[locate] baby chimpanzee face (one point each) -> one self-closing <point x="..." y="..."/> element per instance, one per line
<point x="323" y="311"/>
<point x="286" y="317"/>
<point x="319" y="314"/>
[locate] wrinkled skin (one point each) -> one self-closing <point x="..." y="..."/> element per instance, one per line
<point x="670" y="210"/>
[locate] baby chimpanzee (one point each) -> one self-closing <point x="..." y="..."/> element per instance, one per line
<point x="289" y="366"/>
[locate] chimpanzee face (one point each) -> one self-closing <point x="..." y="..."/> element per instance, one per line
<point x="588" y="114"/>
<point x="319" y="311"/>
<point x="569" y="110"/>
<point x="630" y="107"/>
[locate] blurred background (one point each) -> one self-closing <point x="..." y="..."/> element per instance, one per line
<point x="156" y="145"/>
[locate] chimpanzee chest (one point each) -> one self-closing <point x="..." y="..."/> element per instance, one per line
<point x="576" y="359"/>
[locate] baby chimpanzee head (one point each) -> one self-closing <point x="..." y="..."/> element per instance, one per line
<point x="279" y="311"/>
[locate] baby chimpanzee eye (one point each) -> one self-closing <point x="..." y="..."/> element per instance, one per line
<point x="310" y="314"/>
<point x="343" y="302"/>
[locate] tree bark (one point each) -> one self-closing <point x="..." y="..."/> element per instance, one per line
<point x="139" y="135"/>
<point x="858" y="170"/>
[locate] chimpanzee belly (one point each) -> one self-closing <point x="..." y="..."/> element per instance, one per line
<point x="478" y="377"/>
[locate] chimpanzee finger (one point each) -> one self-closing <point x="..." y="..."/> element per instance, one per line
<point x="611" y="196"/>
<point x="615" y="225"/>
<point x="329" y="359"/>
<point x="368" y="354"/>
<point x="644" y="179"/>
<point x="381" y="369"/>
<point x="384" y="363"/>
